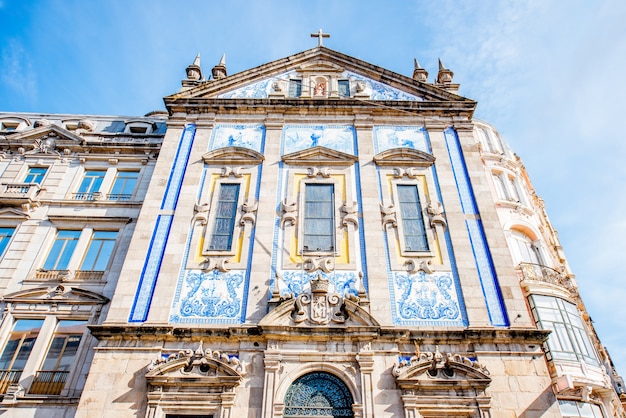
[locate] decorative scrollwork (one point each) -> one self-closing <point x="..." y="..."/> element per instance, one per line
<point x="389" y="215"/>
<point x="435" y="210"/>
<point x="216" y="263"/>
<point x="231" y="171"/>
<point x="350" y="214"/>
<point x="326" y="264"/>
<point x="313" y="172"/>
<point x="249" y="213"/>
<point x="319" y="307"/>
<point x="410" y="172"/>
<point x="289" y="213"/>
<point x="201" y="213"/>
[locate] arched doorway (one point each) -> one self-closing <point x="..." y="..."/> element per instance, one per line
<point x="318" y="394"/>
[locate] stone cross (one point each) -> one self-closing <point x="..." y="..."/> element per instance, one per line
<point x="319" y="35"/>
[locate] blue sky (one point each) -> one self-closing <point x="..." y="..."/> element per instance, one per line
<point x="547" y="74"/>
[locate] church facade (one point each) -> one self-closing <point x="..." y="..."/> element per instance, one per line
<point x="314" y="237"/>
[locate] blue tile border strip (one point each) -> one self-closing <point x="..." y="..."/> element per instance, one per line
<point x="158" y="241"/>
<point x="482" y="255"/>
<point x="170" y="198"/>
<point x="151" y="267"/>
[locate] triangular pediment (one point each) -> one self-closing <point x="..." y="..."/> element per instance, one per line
<point x="271" y="80"/>
<point x="404" y="157"/>
<point x="319" y="155"/>
<point x="9" y="216"/>
<point x="57" y="294"/>
<point x="49" y="131"/>
<point x="233" y="156"/>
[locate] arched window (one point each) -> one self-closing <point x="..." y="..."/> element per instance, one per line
<point x="525" y="250"/>
<point x="318" y="394"/>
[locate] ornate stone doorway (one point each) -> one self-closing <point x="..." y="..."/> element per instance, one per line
<point x="318" y="394"/>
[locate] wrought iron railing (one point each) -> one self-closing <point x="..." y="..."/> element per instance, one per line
<point x="119" y="197"/>
<point x="88" y="275"/>
<point x="8" y="378"/>
<point x="48" y="382"/>
<point x="53" y="274"/>
<point x="87" y="196"/>
<point x="539" y="272"/>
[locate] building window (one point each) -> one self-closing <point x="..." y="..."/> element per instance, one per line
<point x="574" y="409"/>
<point x="225" y="214"/>
<point x="62" y="250"/>
<point x="100" y="250"/>
<point x="319" y="220"/>
<point x="35" y="175"/>
<point x="526" y="249"/>
<point x="92" y="180"/>
<point x="343" y="88"/>
<point x="413" y="230"/>
<point x="51" y="378"/>
<point x="500" y="185"/>
<point x="124" y="185"/>
<point x="17" y="350"/>
<point x="295" y="88"/>
<point x="5" y="237"/>
<point x="568" y="340"/>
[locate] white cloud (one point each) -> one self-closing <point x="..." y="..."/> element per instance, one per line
<point x="17" y="72"/>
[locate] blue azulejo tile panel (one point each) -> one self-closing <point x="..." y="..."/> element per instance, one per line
<point x="488" y="279"/>
<point x="212" y="297"/>
<point x="388" y="137"/>
<point x="172" y="190"/>
<point x="231" y="135"/>
<point x="300" y="137"/>
<point x="378" y="90"/>
<point x="294" y="282"/>
<point x="425" y="299"/>
<point x="256" y="90"/>
<point x="151" y="267"/>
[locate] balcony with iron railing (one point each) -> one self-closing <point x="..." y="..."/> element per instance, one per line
<point x="48" y="382"/>
<point x="545" y="274"/>
<point x="68" y="275"/>
<point x="8" y="378"/>
<point x="22" y="195"/>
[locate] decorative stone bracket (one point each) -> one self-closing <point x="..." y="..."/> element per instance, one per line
<point x="437" y="216"/>
<point x="289" y="213"/>
<point x="231" y="171"/>
<point x="350" y="214"/>
<point x="389" y="215"/>
<point x="313" y="172"/>
<point x="326" y="264"/>
<point x="216" y="263"/>
<point x="249" y="213"/>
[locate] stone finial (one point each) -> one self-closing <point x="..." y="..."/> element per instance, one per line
<point x="419" y="73"/>
<point x="219" y="71"/>
<point x="193" y="71"/>
<point x="444" y="76"/>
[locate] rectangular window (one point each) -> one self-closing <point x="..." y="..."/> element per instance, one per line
<point x="225" y="214"/>
<point x="319" y="220"/>
<point x="295" y="88"/>
<point x="62" y="250"/>
<point x="99" y="251"/>
<point x="344" y="88"/>
<point x="124" y="185"/>
<point x="20" y="344"/>
<point x="35" y="175"/>
<point x="60" y="357"/>
<point x="90" y="184"/>
<point x="5" y="237"/>
<point x="413" y="228"/>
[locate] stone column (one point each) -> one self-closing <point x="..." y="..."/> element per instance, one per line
<point x="272" y="362"/>
<point x="365" y="359"/>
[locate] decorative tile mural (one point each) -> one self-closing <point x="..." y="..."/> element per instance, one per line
<point x="245" y="136"/>
<point x="300" y="137"/>
<point x="425" y="297"/>
<point x="380" y="91"/>
<point x="295" y="282"/>
<point x="482" y="256"/>
<point x="388" y="137"/>
<point x="214" y="294"/>
<point x="375" y="89"/>
<point x="257" y="90"/>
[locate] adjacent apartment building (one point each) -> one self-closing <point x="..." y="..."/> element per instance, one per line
<point x="314" y="237"/>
